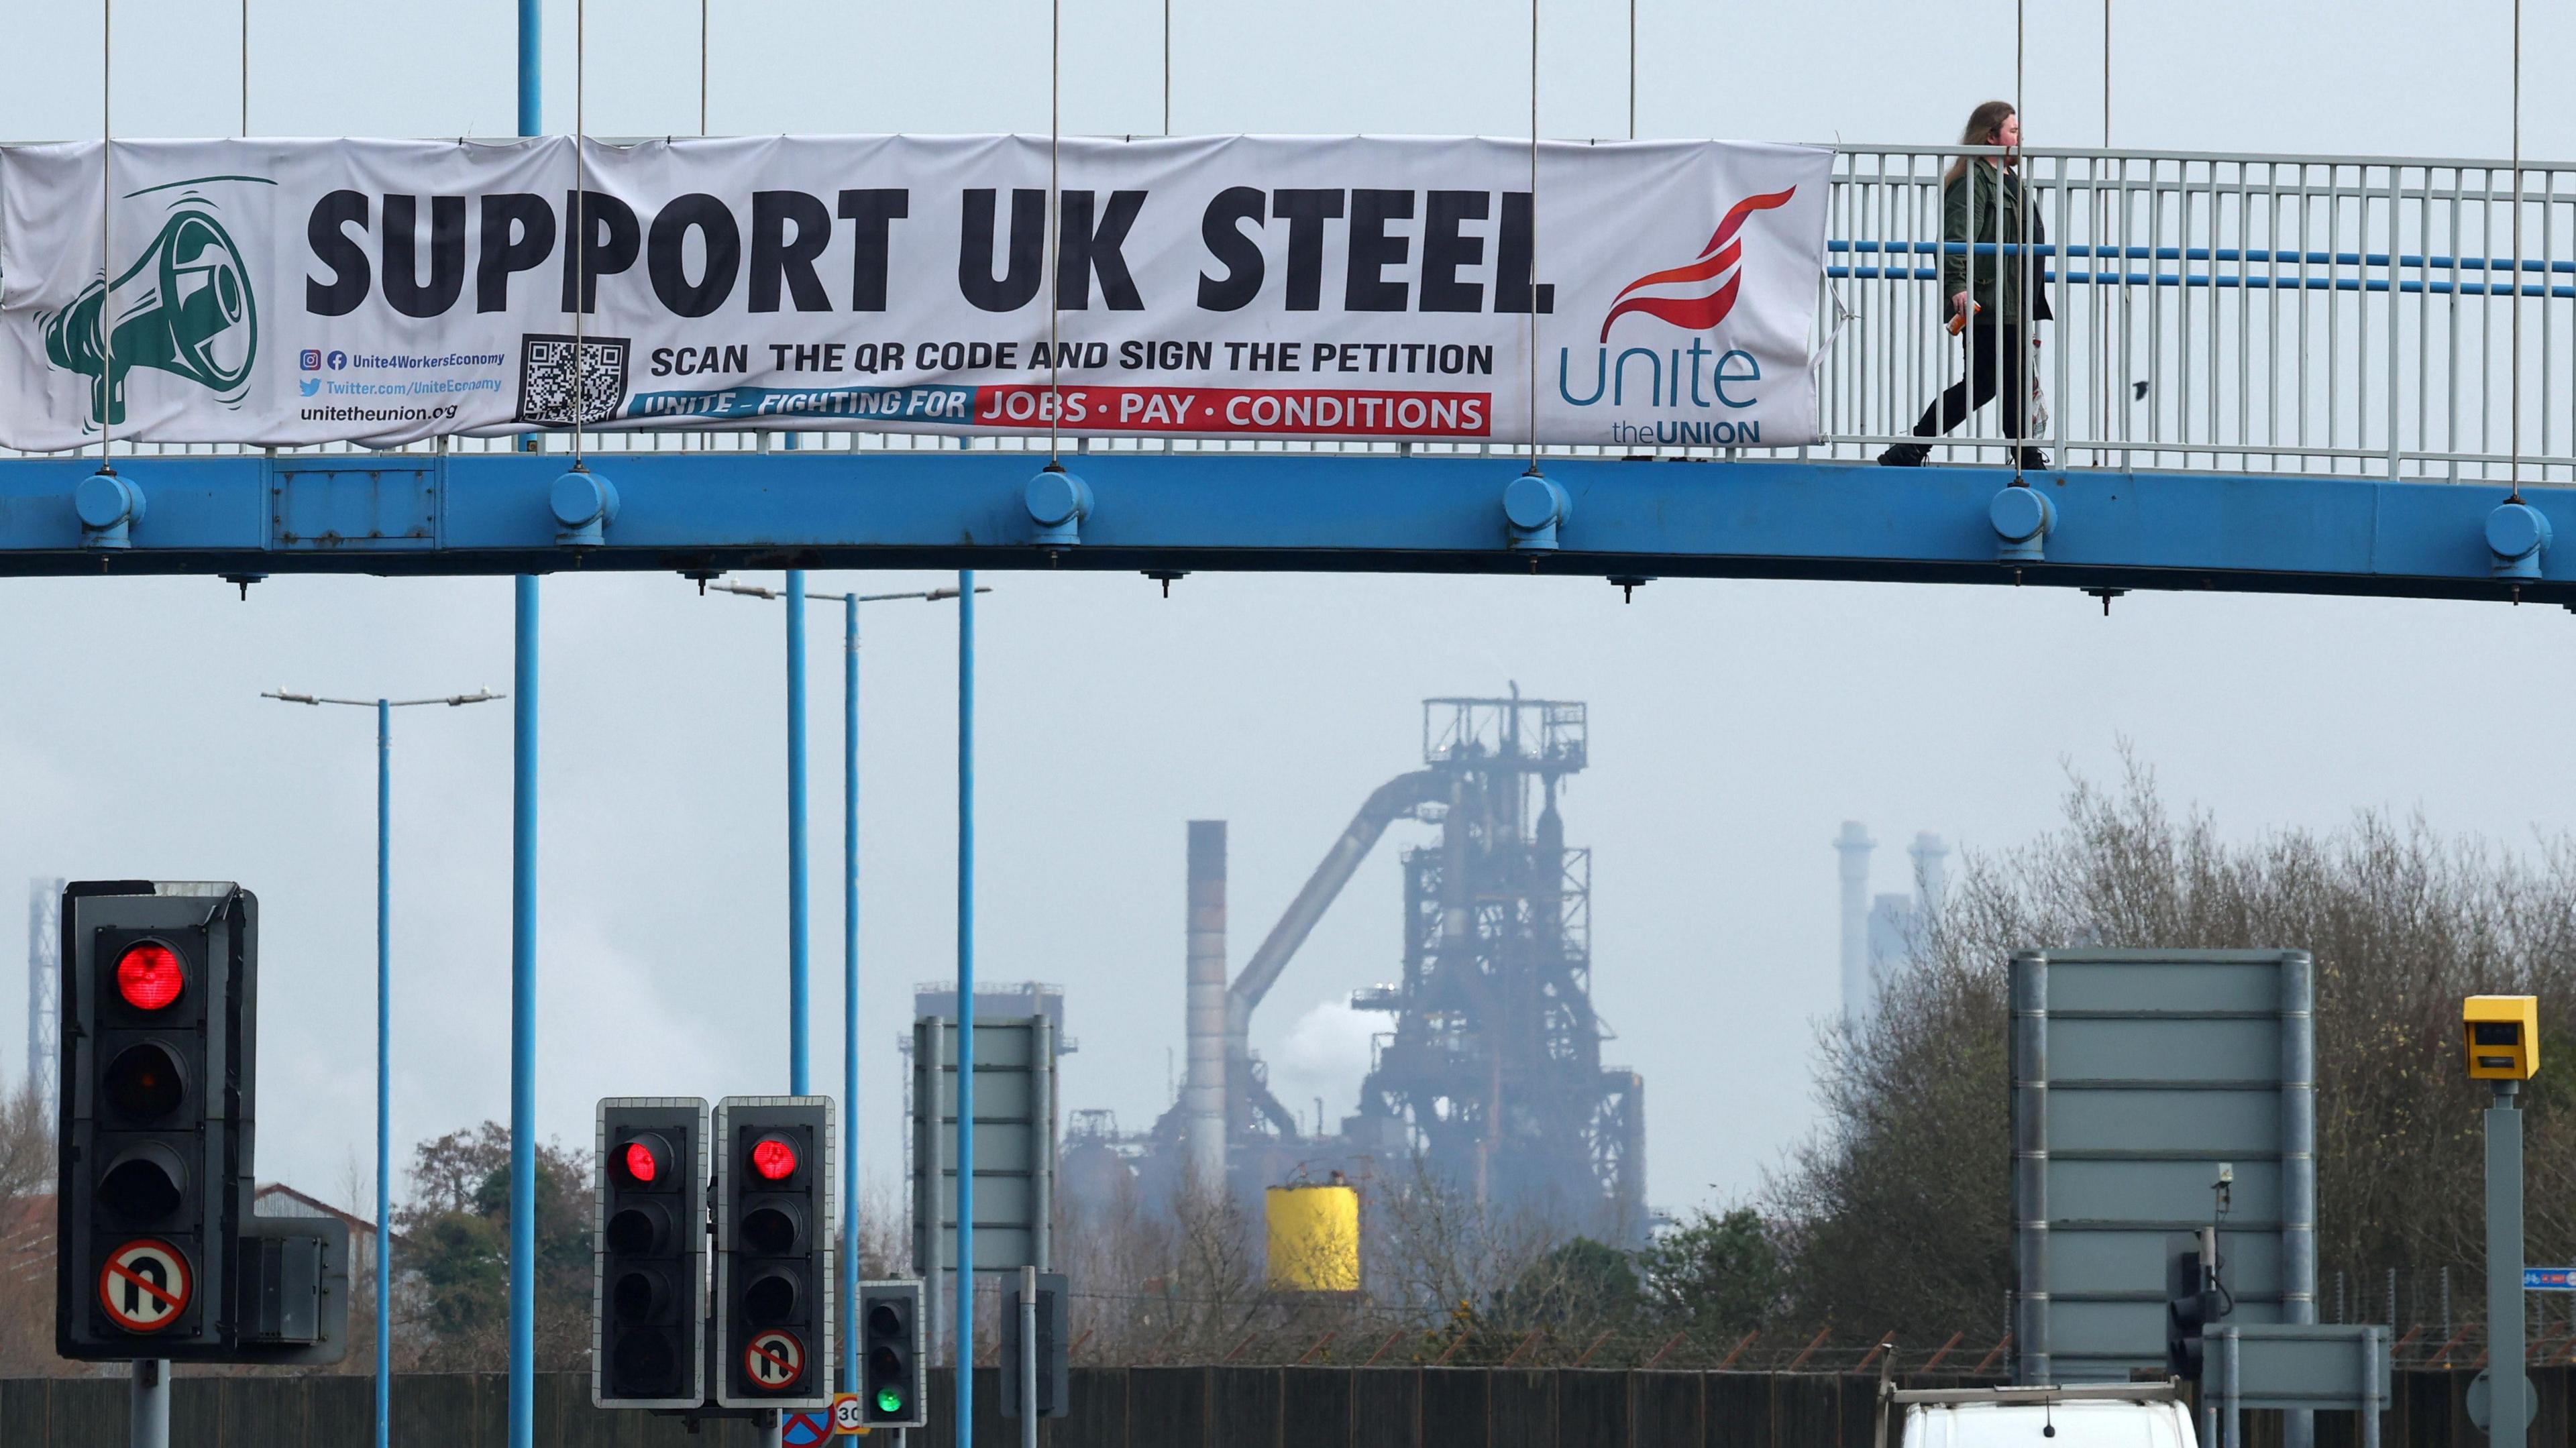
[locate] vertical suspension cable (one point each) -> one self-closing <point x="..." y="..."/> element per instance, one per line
<point x="709" y="438"/>
<point x="2026" y="331"/>
<point x="2021" y="31"/>
<point x="1632" y="70"/>
<point x="2106" y="75"/>
<point x="580" y="211"/>
<point x="1167" y="67"/>
<point x="245" y="67"/>
<point x="1054" y="222"/>
<point x="106" y="229"/>
<point x="2021" y="22"/>
<point x="1532" y="347"/>
<point x="2513" y="416"/>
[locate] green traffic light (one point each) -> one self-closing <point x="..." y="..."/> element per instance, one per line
<point x="889" y="1401"/>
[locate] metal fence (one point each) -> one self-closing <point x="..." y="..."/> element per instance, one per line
<point x="2437" y="1315"/>
<point x="2318" y="314"/>
<point x="1375" y="1344"/>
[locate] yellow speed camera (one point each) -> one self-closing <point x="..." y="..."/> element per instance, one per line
<point x="2503" y="1037"/>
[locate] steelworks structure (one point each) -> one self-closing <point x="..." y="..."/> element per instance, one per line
<point x="1494" y="1064"/>
<point x="1491" y="1072"/>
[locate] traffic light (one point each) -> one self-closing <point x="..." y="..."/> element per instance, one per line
<point x="773" y="1302"/>
<point x="649" y="1254"/>
<point x="1055" y="1376"/>
<point x="2192" y="1303"/>
<point x="159" y="1253"/>
<point x="894" y="1367"/>
<point x="156" y="1106"/>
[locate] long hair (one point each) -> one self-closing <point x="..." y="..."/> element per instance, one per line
<point x="1985" y="128"/>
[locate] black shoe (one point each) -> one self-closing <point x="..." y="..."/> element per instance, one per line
<point x="2032" y="460"/>
<point x="1904" y="455"/>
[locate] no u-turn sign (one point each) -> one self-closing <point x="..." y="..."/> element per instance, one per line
<point x="774" y="1360"/>
<point x="144" y="1285"/>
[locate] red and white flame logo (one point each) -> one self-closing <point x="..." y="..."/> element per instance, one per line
<point x="1700" y="309"/>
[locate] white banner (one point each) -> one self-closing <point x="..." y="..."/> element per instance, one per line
<point x="382" y="292"/>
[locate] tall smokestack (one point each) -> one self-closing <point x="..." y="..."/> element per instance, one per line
<point x="1931" y="878"/>
<point x="1203" y="1089"/>
<point x="1854" y="845"/>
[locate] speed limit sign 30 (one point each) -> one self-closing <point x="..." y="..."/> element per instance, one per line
<point x="144" y="1286"/>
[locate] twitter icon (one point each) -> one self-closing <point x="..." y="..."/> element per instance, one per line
<point x="308" y="385"/>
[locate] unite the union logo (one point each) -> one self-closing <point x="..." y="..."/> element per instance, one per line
<point x="1721" y="262"/>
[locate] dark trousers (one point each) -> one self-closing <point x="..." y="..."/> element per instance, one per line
<point x="1995" y="359"/>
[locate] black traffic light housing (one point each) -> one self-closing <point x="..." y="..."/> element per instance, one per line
<point x="1055" y="1375"/>
<point x="2192" y="1304"/>
<point x="158" y="1251"/>
<point x="894" y="1358"/>
<point x="156" y="1114"/>
<point x="649" y="1254"/>
<point x="773" y="1282"/>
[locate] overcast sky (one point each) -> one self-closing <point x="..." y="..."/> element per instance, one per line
<point x="1734" y="725"/>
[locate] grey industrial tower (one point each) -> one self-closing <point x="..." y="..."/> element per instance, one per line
<point x="1495" y="1064"/>
<point x="1881" y="933"/>
<point x="44" y="989"/>
<point x="1490" y="1070"/>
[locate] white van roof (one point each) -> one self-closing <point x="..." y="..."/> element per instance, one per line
<point x="2083" y="1422"/>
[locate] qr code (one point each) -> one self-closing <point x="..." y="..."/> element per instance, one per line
<point x="548" y="376"/>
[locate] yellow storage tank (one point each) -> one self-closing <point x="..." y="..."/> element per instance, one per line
<point x="1314" y="1238"/>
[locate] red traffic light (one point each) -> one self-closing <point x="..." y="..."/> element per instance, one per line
<point x="148" y="976"/>
<point x="640" y="1165"/>
<point x="774" y="1159"/>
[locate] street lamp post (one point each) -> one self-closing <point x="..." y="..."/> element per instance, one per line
<point x="796" y="877"/>
<point x="384" y="1020"/>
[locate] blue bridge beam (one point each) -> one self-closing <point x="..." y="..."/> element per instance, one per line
<point x="490" y="513"/>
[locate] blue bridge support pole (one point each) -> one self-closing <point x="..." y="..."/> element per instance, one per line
<point x="965" y="1156"/>
<point x="850" y="1174"/>
<point x="799" y="1077"/>
<point x="384" y="1075"/>
<point x="523" y="901"/>
<point x="523" y="1023"/>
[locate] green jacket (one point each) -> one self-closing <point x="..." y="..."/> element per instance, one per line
<point x="1969" y="214"/>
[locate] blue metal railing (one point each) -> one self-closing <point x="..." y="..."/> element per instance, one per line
<point x="2220" y="256"/>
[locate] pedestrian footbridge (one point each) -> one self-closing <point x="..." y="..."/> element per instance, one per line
<point x="2327" y="374"/>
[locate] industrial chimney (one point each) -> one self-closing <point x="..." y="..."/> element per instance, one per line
<point x="1854" y="845"/>
<point x="1931" y="877"/>
<point x="1203" y="1089"/>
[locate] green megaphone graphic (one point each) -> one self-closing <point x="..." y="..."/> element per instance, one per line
<point x="184" y="307"/>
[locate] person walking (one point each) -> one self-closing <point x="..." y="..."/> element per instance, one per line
<point x="1983" y="201"/>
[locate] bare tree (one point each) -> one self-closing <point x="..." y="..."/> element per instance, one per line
<point x="1895" y="1213"/>
<point x="26" y="1146"/>
<point x="26" y="1234"/>
<point x="1437" y="1246"/>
